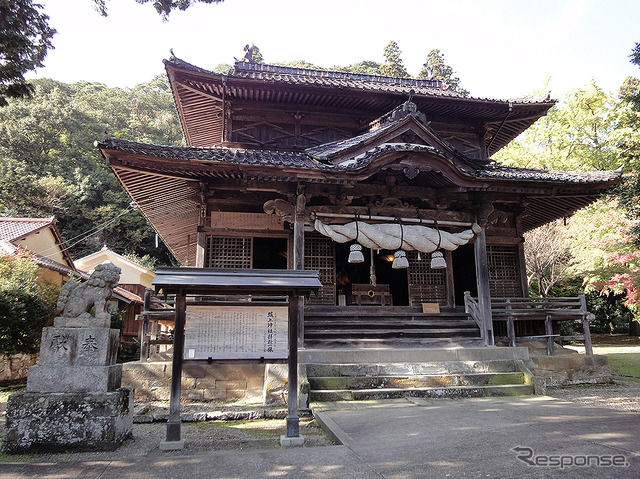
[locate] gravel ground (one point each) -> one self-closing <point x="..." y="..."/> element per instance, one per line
<point x="199" y="437"/>
<point x="623" y="394"/>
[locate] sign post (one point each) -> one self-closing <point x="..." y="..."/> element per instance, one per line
<point x="232" y="330"/>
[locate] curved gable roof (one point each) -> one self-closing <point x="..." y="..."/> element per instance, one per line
<point x="199" y="95"/>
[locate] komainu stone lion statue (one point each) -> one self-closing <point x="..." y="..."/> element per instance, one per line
<point x="77" y="300"/>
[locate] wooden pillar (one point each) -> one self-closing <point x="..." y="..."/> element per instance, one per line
<point x="522" y="262"/>
<point x="144" y="331"/>
<point x="450" y="292"/>
<point x="201" y="246"/>
<point x="173" y="440"/>
<point x="548" y="330"/>
<point x="293" y="421"/>
<point x="298" y="256"/>
<point x="482" y="278"/>
<point x="586" y="317"/>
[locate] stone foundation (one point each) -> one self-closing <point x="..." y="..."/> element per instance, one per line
<point x="565" y="367"/>
<point x="44" y="422"/>
<point x="245" y="382"/>
<point x="200" y="381"/>
<point x="16" y="367"/>
<point x="571" y="369"/>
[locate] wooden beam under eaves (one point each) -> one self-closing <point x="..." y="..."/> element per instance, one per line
<point x="201" y="92"/>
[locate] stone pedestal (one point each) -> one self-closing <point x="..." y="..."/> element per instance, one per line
<point x="45" y="422"/>
<point x="74" y="400"/>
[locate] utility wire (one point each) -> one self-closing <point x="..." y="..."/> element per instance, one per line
<point x="88" y="233"/>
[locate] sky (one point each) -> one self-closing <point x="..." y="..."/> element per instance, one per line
<point x="500" y="49"/>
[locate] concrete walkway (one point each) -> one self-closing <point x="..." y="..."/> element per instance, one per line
<point x="410" y="439"/>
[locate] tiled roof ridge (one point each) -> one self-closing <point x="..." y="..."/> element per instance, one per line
<point x="48" y="219"/>
<point x="497" y="170"/>
<point x="12" y="228"/>
<point x="305" y="161"/>
<point x="336" y="74"/>
<point x="435" y="86"/>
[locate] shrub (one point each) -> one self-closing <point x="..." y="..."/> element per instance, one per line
<point x="26" y="305"/>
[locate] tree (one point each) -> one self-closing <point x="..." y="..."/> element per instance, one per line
<point x="48" y="164"/>
<point x="436" y="69"/>
<point x="163" y="7"/>
<point x="629" y="142"/>
<point x="548" y="257"/>
<point x="27" y="304"/>
<point x="591" y="130"/>
<point x="25" y="39"/>
<point x="580" y="133"/>
<point x="365" y="67"/>
<point x="393" y="66"/>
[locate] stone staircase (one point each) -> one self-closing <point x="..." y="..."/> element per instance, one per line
<point x="359" y="374"/>
<point x="370" y="326"/>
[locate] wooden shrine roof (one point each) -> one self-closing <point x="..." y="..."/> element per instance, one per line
<point x="197" y="162"/>
<point x="198" y="94"/>
<point x="163" y="181"/>
<point x="236" y="281"/>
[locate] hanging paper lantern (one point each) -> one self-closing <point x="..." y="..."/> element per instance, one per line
<point x="437" y="260"/>
<point x="355" y="254"/>
<point x="400" y="260"/>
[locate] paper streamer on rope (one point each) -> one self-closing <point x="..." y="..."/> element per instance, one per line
<point x="388" y="236"/>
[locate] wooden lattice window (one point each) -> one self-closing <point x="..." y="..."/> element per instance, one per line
<point x="503" y="271"/>
<point x="319" y="254"/>
<point x="426" y="285"/>
<point x="224" y="252"/>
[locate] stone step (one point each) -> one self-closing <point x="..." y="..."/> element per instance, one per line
<point x="391" y="333"/>
<point x="405" y="369"/>
<point x="399" y="343"/>
<point x="424" y="392"/>
<point x="388" y="322"/>
<point x="409" y="355"/>
<point x="377" y="312"/>
<point x="414" y="381"/>
<point x="311" y="309"/>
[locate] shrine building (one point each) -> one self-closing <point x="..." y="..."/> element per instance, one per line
<point x="384" y="185"/>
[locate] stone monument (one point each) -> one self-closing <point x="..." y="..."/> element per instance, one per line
<point x="74" y="400"/>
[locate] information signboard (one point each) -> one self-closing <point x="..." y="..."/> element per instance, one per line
<point x="236" y="332"/>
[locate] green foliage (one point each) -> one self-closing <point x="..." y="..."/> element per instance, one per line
<point x="603" y="252"/>
<point x="611" y="314"/>
<point x="163" y="7"/>
<point x="26" y="305"/>
<point x="222" y="68"/>
<point x="147" y="261"/>
<point x="49" y="166"/>
<point x="25" y="38"/>
<point x="590" y="130"/>
<point x="580" y="133"/>
<point x="629" y="190"/>
<point x="393" y="66"/>
<point x="299" y="64"/>
<point x="365" y="67"/>
<point x="436" y="69"/>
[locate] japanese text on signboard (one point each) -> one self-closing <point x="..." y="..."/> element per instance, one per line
<point x="236" y="332"/>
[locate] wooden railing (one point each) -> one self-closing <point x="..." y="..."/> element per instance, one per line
<point x="550" y="312"/>
<point x="157" y="313"/>
<point x="472" y="308"/>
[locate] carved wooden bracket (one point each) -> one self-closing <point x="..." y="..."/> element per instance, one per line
<point x="284" y="209"/>
<point x="483" y="212"/>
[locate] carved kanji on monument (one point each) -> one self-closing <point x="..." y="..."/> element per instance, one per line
<point x="77" y="376"/>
